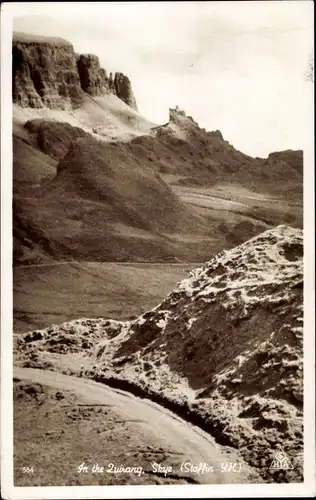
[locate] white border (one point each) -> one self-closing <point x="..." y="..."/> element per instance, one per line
<point x="8" y="491"/>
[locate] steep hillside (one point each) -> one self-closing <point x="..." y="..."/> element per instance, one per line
<point x="225" y="347"/>
<point x="49" y="80"/>
<point x="94" y="180"/>
<point x="206" y="158"/>
<point x="105" y="117"/>
<point x="102" y="204"/>
<point x="31" y="167"/>
<point x="105" y="203"/>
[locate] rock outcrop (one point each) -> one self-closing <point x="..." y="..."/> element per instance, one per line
<point x="46" y="72"/>
<point x="286" y="158"/>
<point x="93" y="78"/>
<point x="95" y="81"/>
<point x="226" y="345"/>
<point x="123" y="89"/>
<point x="178" y="116"/>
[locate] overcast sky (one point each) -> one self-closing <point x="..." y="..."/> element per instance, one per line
<point x="239" y="67"/>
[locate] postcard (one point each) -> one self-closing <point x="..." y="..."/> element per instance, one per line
<point x="157" y="250"/>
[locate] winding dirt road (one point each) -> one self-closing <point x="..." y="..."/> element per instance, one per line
<point x="196" y="446"/>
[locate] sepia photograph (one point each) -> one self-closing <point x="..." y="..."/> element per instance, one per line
<point x="157" y="171"/>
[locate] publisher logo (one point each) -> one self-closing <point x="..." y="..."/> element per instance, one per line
<point x="281" y="461"/>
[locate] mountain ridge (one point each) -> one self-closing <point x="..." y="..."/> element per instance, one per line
<point x="47" y="73"/>
<point x="63" y="101"/>
<point x="186" y="166"/>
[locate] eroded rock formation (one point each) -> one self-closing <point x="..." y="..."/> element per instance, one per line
<point x="93" y="78"/>
<point x="46" y="72"/>
<point x="123" y="89"/>
<point x="289" y="157"/>
<point x="177" y="115"/>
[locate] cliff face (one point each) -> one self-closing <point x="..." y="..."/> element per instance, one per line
<point x="93" y="78"/>
<point x="95" y="81"/>
<point x="123" y="89"/>
<point x="289" y="157"/>
<point x="46" y="72"/>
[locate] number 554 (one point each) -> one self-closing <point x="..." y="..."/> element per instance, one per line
<point x="27" y="470"/>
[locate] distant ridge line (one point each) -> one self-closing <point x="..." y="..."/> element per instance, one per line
<point x="29" y="37"/>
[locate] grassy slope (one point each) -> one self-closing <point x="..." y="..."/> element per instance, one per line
<point x="110" y="201"/>
<point x="98" y="187"/>
<point x="74" y="217"/>
<point x="53" y="294"/>
<point x="31" y="167"/>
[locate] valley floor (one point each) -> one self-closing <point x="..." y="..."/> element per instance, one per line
<point x="55" y="292"/>
<point x="63" y="291"/>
